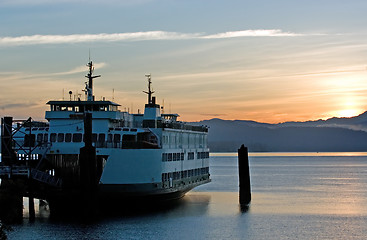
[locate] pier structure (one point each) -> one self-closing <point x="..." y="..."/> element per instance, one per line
<point x="25" y="173"/>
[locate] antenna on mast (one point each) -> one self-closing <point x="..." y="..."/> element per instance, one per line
<point x="89" y="85"/>
<point x="150" y="91"/>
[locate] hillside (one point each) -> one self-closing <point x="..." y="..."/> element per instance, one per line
<point x="332" y="135"/>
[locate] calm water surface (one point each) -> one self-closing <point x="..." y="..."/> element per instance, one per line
<point x="294" y="196"/>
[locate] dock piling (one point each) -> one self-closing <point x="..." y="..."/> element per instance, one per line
<point x="32" y="213"/>
<point x="88" y="163"/>
<point x="244" y="176"/>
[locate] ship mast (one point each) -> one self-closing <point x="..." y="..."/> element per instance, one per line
<point x="149" y="92"/>
<point x="89" y="85"/>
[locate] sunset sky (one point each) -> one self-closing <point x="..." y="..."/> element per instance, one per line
<point x="266" y="60"/>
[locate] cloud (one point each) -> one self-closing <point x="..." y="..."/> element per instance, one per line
<point x="135" y="36"/>
<point x="102" y="37"/>
<point x="78" y="69"/>
<point x="16" y="105"/>
<point x="253" y="33"/>
<point x="19" y="76"/>
<point x="55" y="2"/>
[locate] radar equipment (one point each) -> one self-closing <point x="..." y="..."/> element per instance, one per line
<point x="150" y="91"/>
<point x="89" y="84"/>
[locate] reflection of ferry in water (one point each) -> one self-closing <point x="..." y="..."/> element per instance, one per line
<point x="137" y="155"/>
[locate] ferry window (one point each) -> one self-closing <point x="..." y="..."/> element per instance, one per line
<point x="68" y="137"/>
<point x="45" y="137"/>
<point x="169" y="156"/>
<point x="53" y="137"/>
<point x="182" y="156"/>
<point x="39" y="137"/>
<point x="94" y="137"/>
<point x="109" y="137"/>
<point x="174" y="156"/>
<point x="76" y="108"/>
<point x="77" y="137"/>
<point x="60" y="137"/>
<point x="129" y="138"/>
<point x="117" y="138"/>
<point x="34" y="129"/>
<point x="41" y="129"/>
<point x="101" y="138"/>
<point x="29" y="140"/>
<point x="125" y="129"/>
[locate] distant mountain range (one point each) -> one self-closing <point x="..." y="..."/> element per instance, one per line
<point x="331" y="135"/>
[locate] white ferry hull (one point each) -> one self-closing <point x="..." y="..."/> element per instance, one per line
<point x="91" y="149"/>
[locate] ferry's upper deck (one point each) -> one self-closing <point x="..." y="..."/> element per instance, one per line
<point x="75" y="109"/>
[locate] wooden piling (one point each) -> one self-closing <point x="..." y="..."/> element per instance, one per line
<point x="32" y="212"/>
<point x="7" y="152"/>
<point x="11" y="201"/>
<point x="88" y="170"/>
<point x="244" y="176"/>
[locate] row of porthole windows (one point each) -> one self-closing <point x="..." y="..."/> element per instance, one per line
<point x="168" y="157"/>
<point x="78" y="137"/>
<point x="184" y="174"/>
<point x="186" y="139"/>
<point x="203" y="155"/>
<point x="124" y="129"/>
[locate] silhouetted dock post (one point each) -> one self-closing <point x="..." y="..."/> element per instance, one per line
<point x="7" y="152"/>
<point x="244" y="176"/>
<point x="11" y="199"/>
<point x="88" y="170"/>
<point x="32" y="212"/>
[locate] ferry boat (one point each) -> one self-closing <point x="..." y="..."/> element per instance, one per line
<point x="137" y="155"/>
